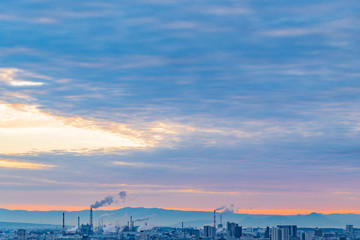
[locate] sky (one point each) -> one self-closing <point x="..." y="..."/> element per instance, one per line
<point x="182" y="104"/>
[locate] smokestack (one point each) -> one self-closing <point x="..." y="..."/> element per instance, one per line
<point x="221" y="220"/>
<point x="131" y="223"/>
<point x="78" y="222"/>
<point x="214" y="219"/>
<point x="91" y="218"/>
<point x="63" y="232"/>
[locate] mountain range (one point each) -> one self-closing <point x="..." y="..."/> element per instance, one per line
<point x="174" y="218"/>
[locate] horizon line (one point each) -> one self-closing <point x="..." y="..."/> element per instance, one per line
<point x="237" y="211"/>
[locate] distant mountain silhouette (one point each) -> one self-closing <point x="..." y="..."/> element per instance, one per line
<point x="163" y="217"/>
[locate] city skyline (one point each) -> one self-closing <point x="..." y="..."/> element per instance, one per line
<point x="181" y="104"/>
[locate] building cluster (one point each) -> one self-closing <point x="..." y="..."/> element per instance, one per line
<point x="232" y="231"/>
<point x="145" y="231"/>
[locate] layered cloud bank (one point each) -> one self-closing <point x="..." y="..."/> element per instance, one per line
<point x="14" y="76"/>
<point x="242" y="102"/>
<point x="6" y="163"/>
<point x="26" y="129"/>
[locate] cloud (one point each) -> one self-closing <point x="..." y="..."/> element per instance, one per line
<point x="4" y="51"/>
<point x="199" y="191"/>
<point x="136" y="164"/>
<point x="158" y="166"/>
<point x="6" y="163"/>
<point x="44" y="20"/>
<point x="181" y="25"/>
<point x="226" y="11"/>
<point x="154" y="87"/>
<point x="15" y="77"/>
<point x="25" y="128"/>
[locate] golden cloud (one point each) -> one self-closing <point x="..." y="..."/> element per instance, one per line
<point x="25" y="165"/>
<point x="15" y="76"/>
<point x="25" y="128"/>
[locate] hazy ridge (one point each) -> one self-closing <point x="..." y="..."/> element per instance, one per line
<point x="163" y="217"/>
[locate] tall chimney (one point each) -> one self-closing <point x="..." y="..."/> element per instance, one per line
<point x="131" y="223"/>
<point x="78" y="222"/>
<point x="214" y="219"/>
<point x="63" y="232"/>
<point x="221" y="220"/>
<point x="91" y="218"/>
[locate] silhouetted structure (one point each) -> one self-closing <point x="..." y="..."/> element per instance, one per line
<point x="318" y="232"/>
<point x="267" y="232"/>
<point x="280" y="234"/>
<point x="234" y="230"/>
<point x="292" y="229"/>
<point x="209" y="232"/>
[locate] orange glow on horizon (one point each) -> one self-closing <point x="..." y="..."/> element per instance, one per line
<point x="241" y="211"/>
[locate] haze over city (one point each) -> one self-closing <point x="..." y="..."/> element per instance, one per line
<point x="182" y="105"/>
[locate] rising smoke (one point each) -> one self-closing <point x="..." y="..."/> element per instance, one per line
<point x="115" y="226"/>
<point x="122" y="195"/>
<point x="145" y="227"/>
<point x="107" y="201"/>
<point x="144" y="218"/>
<point x="226" y="210"/>
<point x="220" y="208"/>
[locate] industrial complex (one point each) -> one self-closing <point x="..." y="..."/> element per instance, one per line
<point x="142" y="229"/>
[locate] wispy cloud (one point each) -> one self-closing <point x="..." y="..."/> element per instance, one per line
<point x="25" y="128"/>
<point x="18" y="78"/>
<point x="137" y="164"/>
<point x="44" y="20"/>
<point x="226" y="11"/>
<point x="190" y="97"/>
<point x="292" y="32"/>
<point x="199" y="191"/>
<point x="6" y="163"/>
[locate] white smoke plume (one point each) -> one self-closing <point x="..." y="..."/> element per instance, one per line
<point x="72" y="230"/>
<point x="110" y="228"/>
<point x="107" y="201"/>
<point x="115" y="226"/>
<point x="228" y="210"/>
<point x="220" y="208"/>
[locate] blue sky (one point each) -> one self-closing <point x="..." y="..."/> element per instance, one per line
<point x="253" y="103"/>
